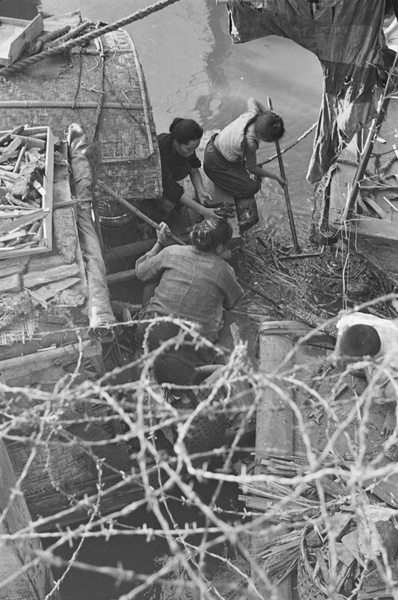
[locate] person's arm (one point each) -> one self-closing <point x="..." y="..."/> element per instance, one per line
<point x="232" y="290"/>
<point x="252" y="166"/>
<point x="148" y="267"/>
<point x="197" y="183"/>
<point x="207" y="213"/>
<point x="255" y="105"/>
<point x="171" y="189"/>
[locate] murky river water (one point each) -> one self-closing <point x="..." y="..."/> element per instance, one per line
<point x="193" y="70"/>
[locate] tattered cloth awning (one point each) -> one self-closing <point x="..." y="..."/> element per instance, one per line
<point x="346" y="36"/>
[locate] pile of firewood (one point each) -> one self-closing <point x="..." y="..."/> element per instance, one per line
<point x="22" y="204"/>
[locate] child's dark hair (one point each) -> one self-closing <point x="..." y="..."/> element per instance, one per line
<point x="185" y="130"/>
<point x="269" y="124"/>
<point x="172" y="368"/>
<point x="210" y="233"/>
<point x="360" y="340"/>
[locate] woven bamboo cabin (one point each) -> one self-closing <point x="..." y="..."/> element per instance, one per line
<point x="100" y="85"/>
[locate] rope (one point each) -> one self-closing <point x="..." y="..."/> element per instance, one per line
<point x="88" y="37"/>
<point x="102" y="93"/>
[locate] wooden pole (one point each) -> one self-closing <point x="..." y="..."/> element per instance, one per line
<point x="367" y="150"/>
<point x="133" y="249"/>
<point x="135" y="210"/>
<point x="114" y="278"/>
<point x="286" y="192"/>
<point x="275" y="425"/>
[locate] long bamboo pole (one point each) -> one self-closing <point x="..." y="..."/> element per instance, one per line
<point x="136" y="211"/>
<point x="297" y="248"/>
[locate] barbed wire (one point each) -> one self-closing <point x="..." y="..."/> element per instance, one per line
<point x="278" y="494"/>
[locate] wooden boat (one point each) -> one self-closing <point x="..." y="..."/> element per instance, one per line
<point x="101" y="87"/>
<point x="97" y="95"/>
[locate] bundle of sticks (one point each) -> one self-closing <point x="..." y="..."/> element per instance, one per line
<point x="22" y="171"/>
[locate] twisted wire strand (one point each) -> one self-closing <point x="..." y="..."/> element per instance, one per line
<point x="88" y="37"/>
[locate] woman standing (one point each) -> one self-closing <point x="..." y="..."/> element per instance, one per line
<point x="178" y="161"/>
<point x="230" y="158"/>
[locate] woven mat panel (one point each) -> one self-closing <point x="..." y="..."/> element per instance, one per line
<point x="62" y="465"/>
<point x="51" y="467"/>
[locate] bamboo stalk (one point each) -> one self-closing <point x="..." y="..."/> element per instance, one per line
<point x="39" y="357"/>
<point x="137" y="212"/>
<point x="296" y="245"/>
<point x="66" y="104"/>
<point x="144" y="99"/>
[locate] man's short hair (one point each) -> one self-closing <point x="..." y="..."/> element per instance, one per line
<point x="359" y="340"/>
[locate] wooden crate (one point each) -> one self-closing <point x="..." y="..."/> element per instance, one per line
<point x="15" y="34"/>
<point x="45" y="243"/>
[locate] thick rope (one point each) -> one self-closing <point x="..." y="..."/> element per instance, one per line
<point x="88" y="37"/>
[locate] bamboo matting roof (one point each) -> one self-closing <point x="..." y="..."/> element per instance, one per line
<point x="102" y="87"/>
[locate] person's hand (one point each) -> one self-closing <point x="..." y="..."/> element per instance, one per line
<point x="161" y="236"/>
<point x="204" y="197"/>
<point x="210" y="213"/>
<point x="389" y="424"/>
<point x="226" y="254"/>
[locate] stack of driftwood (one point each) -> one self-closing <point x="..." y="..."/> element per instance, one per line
<point x="26" y="172"/>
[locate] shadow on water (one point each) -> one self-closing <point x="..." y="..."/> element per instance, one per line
<point x="144" y="556"/>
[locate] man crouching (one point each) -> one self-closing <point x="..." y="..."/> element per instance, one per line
<point x="363" y="336"/>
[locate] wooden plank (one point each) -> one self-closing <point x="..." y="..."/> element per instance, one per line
<point x="42" y="263"/>
<point x="36" y="278"/>
<point x="377" y="209"/>
<point x="37" y="581"/>
<point x="10" y="284"/>
<point x="274" y="429"/>
<point x="375" y="228"/>
<point x="11" y="270"/>
<point x="16" y="33"/>
<point x="43" y="359"/>
<point x="45" y="292"/>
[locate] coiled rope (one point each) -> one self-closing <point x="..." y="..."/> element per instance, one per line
<point x="88" y="37"/>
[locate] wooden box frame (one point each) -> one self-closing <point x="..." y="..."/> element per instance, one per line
<point x="45" y="244"/>
<point x="20" y="33"/>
